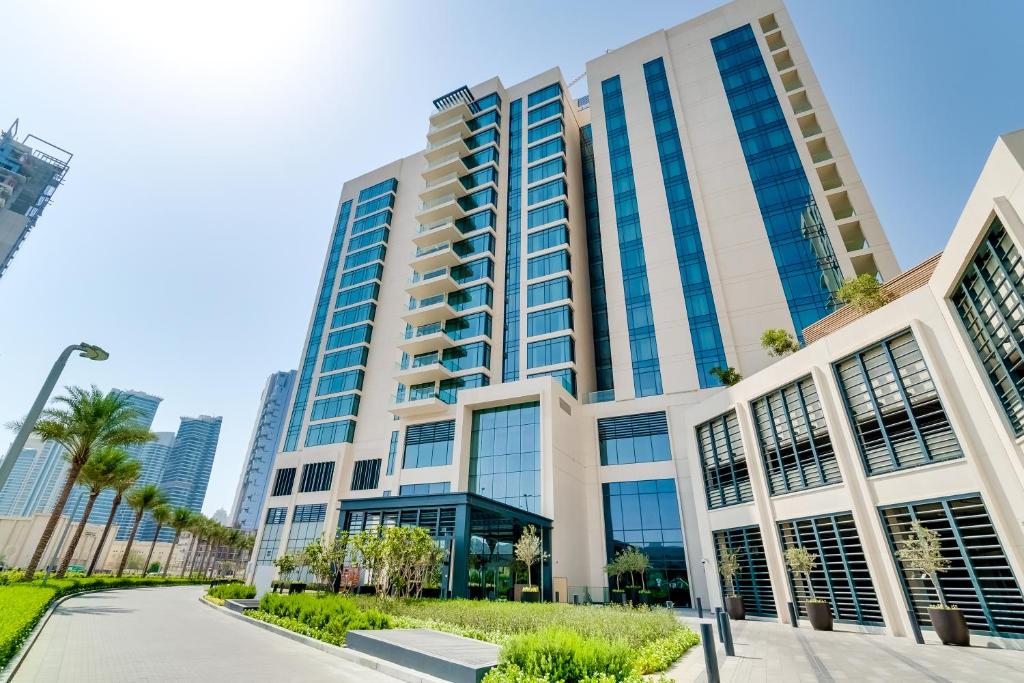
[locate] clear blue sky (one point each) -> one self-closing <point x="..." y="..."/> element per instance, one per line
<point x="211" y="140"/>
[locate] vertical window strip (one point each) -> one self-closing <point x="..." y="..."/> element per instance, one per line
<point x="510" y="351"/>
<point x="392" y="450"/>
<point x="595" y="266"/>
<point x="272" y="528"/>
<point x="316" y="476"/>
<point x="724" y="464"/>
<point x="793" y="439"/>
<point x="803" y="253"/>
<point x="990" y="301"/>
<point x="643" y="344"/>
<point x="753" y="582"/>
<point x="841" y="576"/>
<point x="894" y="408"/>
<point x="284" y="480"/>
<point x="504" y="456"/>
<point x="316" y="331"/>
<point x="365" y="474"/>
<point x="979" y="579"/>
<point x="701" y="313"/>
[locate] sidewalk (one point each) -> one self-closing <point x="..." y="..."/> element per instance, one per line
<point x="769" y="651"/>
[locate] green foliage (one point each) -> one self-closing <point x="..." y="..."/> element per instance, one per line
<point x="729" y="567"/>
<point x="336" y="615"/>
<point x="232" y="591"/>
<point x="921" y="551"/>
<point x="864" y="292"/>
<point x="529" y="550"/>
<point x="727" y="376"/>
<point x="154" y="567"/>
<point x="11" y="576"/>
<point x="323" y="559"/>
<point x="802" y="562"/>
<point x="779" y="342"/>
<point x="286" y="564"/>
<point x="558" y="654"/>
<point x="399" y="560"/>
<point x="660" y="654"/>
<point x="295" y="626"/>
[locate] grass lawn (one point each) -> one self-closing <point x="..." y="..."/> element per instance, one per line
<point x="540" y="641"/>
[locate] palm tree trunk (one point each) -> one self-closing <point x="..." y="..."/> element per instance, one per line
<point x="213" y="560"/>
<point x="195" y="555"/>
<point x="51" y="524"/>
<point x="103" y="536"/>
<point x="174" y="543"/>
<point x="63" y="569"/>
<point x="208" y="556"/>
<point x="152" y="545"/>
<point x="131" y="539"/>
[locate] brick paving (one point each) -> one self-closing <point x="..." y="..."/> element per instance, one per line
<point x="165" y="634"/>
<point x="768" y="651"/>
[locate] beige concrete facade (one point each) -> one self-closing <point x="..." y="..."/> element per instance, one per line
<point x="19" y="537"/>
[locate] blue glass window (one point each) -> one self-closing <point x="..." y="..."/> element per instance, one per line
<point x="379" y="204"/>
<point x="340" y="431"/>
<point x="481" y="177"/>
<point x="337" y="406"/>
<point x="348" y="358"/>
<point x="368" y="239"/>
<point x="472" y="271"/>
<point x="392" y="450"/>
<point x="894" y="408"/>
<point x="545" y="149"/>
<point x="473" y="325"/>
<point x="355" y="277"/>
<point x="370" y="222"/>
<point x="486" y="102"/>
<point x="361" y="258"/>
<point x="353" y="315"/>
<point x="629" y="439"/>
<point x="352" y="380"/>
<point x="316" y="331"/>
<point x="549" y="320"/>
<point x="504" y="455"/>
<point x="429" y="445"/>
<point x="645" y="515"/>
<point x="990" y="301"/>
<point x="467" y="357"/>
<point x="271" y="539"/>
<point x="478" y="199"/>
<point x="539" y="266"/>
<point x="546" y="239"/>
<point x="481" y="244"/>
<point x="448" y="390"/>
<point x="550" y="352"/>
<point x="431" y="489"/>
<point x="478" y="221"/>
<point x="545" y="130"/>
<point x="513" y="223"/>
<point x="545" y="170"/>
<point x="350" y="336"/>
<point x="307" y="526"/>
<point x="356" y="295"/>
<point x="547" y="214"/>
<point x="389" y="185"/>
<point x="484" y="156"/>
<point x="543" y="95"/>
<point x="471" y="297"/>
<point x="565" y="376"/>
<point x="595" y="266"/>
<point x="547" y="111"/>
<point x="548" y="292"/>
<point x="484" y="120"/>
<point x="542" y="193"/>
<point x="753" y="582"/>
<point x="726" y="477"/>
<point x="803" y="253"/>
<point x="480" y="139"/>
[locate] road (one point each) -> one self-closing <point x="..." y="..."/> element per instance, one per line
<point x="166" y="634"/>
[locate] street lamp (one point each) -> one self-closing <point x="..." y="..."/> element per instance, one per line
<point x="90" y="351"/>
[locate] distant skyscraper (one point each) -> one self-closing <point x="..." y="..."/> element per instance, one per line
<point x="220" y="516"/>
<point x="259" y="459"/>
<point x="153" y="457"/>
<point x="35" y="480"/>
<point x="29" y="175"/>
<point x="187" y="470"/>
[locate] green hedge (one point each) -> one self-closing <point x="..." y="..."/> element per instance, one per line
<point x="334" y="615"/>
<point x="232" y="591"/>
<point x="23" y="604"/>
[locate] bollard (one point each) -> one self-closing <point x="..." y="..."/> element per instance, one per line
<point x="718" y="619"/>
<point x="707" y="639"/>
<point x="916" y="627"/>
<point x="700" y="609"/>
<point x="623" y="599"/>
<point x="794" y="618"/>
<point x="575" y="598"/>
<point x="730" y="650"/>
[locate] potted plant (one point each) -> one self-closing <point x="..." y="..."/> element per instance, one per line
<point x="529" y="550"/>
<point x="286" y="564"/>
<point x="921" y="552"/>
<point x="639" y="562"/>
<point x="802" y="562"/>
<point x="729" y="567"/>
<point x="614" y="568"/>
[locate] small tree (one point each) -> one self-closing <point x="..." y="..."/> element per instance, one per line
<point x="727" y="376"/>
<point x="802" y="562"/>
<point x="324" y="559"/>
<point x="779" y="342"/>
<point x="640" y="563"/>
<point x="864" y="292"/>
<point x="286" y="564"/>
<point x="529" y="550"/>
<point x="921" y="551"/>
<point x="729" y="567"/>
<point x="616" y="569"/>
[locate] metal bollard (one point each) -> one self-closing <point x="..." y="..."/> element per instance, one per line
<point x="575" y="598"/>
<point x="718" y="619"/>
<point x="730" y="650"/>
<point x="700" y="609"/>
<point x="794" y="619"/>
<point x="915" y="627"/>
<point x="707" y="639"/>
<point x="623" y="599"/>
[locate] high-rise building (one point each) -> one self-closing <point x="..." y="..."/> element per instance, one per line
<point x="35" y="481"/>
<point x="548" y="287"/>
<point x="153" y="457"/>
<point x="259" y="459"/>
<point x="30" y="172"/>
<point x="186" y="473"/>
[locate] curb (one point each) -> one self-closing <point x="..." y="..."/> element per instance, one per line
<point x="380" y="665"/>
<point x="7" y="673"/>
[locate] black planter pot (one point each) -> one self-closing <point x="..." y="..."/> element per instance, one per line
<point x="644" y="598"/>
<point x="820" y="615"/>
<point x="529" y="596"/>
<point x="950" y="626"/>
<point x="616" y="597"/>
<point x="734" y="606"/>
<point x="632" y="595"/>
<point x="296" y="587"/>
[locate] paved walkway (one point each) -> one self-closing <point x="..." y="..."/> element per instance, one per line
<point x="165" y="634"/>
<point x="768" y="651"/>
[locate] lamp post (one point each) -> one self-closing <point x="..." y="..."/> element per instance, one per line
<point x="90" y="351"/>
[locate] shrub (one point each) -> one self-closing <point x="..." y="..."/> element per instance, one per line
<point x="779" y="342"/>
<point x="333" y="614"/>
<point x="660" y="654"/>
<point x="232" y="591"/>
<point x="558" y="654"/>
<point x="864" y="292"/>
<point x="295" y="625"/>
<point x="727" y="376"/>
<point x="11" y="576"/>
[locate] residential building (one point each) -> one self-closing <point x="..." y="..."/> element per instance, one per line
<point x="153" y="456"/>
<point x="35" y="481"/>
<point x="187" y="470"/>
<point x="30" y="172"/>
<point x="259" y="459"/>
<point x="548" y="286"/>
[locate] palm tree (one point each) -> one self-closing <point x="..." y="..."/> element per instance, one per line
<point x="87" y="420"/>
<point x="161" y="514"/>
<point x="180" y="520"/>
<point x="141" y="499"/>
<point x="215" y="535"/>
<point x="120" y="481"/>
<point x="96" y="476"/>
<point x="196" y="528"/>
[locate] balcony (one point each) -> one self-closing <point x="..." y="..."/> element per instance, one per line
<point x="442" y="149"/>
<point x="448" y="184"/>
<point x="443" y="230"/>
<point x="428" y="259"/>
<point x="425" y="339"/>
<point x="445" y="116"/>
<point x="452" y="163"/>
<point x="417" y="407"/>
<point x="431" y="284"/>
<point x="447" y="128"/>
<point x="443" y="207"/>
<point x="431" y="371"/>
<point x="431" y="310"/>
